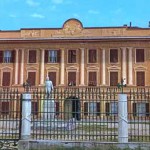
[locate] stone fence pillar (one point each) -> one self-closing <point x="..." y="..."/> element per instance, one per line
<point x="123" y="119"/>
<point x="26" y="116"/>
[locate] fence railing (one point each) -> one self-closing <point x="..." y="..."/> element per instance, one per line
<point x="10" y="118"/>
<point x="78" y="114"/>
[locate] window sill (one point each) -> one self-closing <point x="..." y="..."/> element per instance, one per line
<point x="52" y="63"/>
<point x="96" y="63"/>
<point x="140" y="62"/>
<point x="32" y="63"/>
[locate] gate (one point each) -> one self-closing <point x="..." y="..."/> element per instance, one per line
<point x="10" y="118"/>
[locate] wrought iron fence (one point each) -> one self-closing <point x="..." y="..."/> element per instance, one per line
<point x="78" y="114"/>
<point x="89" y="114"/>
<point x="9" y="114"/>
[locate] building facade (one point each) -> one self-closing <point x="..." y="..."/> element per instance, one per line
<point x="75" y="55"/>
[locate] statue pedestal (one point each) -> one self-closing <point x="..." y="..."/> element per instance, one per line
<point x="48" y="114"/>
<point x="48" y="120"/>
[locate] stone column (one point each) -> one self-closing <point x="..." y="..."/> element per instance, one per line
<point x="130" y="67"/>
<point x="42" y="68"/>
<point x="103" y="68"/>
<point x="16" y="67"/>
<point x="124" y="64"/>
<point x="22" y="67"/>
<point x="82" y="68"/>
<point x="62" y="70"/>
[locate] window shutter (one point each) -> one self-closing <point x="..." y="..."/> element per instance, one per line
<point x="92" y="56"/>
<point x="13" y="56"/>
<point x="31" y="78"/>
<point x="147" y="109"/>
<point x="69" y="56"/>
<point x="86" y="108"/>
<point x="1" y="56"/>
<point x="113" y="78"/>
<point x="98" y="109"/>
<point x="32" y="56"/>
<point x="6" y="79"/>
<point x="107" y="109"/>
<point x="92" y="79"/>
<point x="46" y="56"/>
<point x="140" y="79"/>
<point x="58" y="56"/>
<point x="134" y="109"/>
<point x="52" y="77"/>
<point x="139" y="55"/>
<point x="73" y="53"/>
<point x="72" y="78"/>
<point x="5" y="108"/>
<point x="113" y="55"/>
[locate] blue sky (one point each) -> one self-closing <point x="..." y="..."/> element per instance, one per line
<point x="16" y="14"/>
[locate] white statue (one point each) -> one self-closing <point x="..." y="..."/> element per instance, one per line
<point x="48" y="86"/>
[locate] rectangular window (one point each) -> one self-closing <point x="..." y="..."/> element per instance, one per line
<point x="92" y="108"/>
<point x="52" y="77"/>
<point x="92" y="79"/>
<point x="71" y="56"/>
<point x="7" y="56"/>
<point x="32" y="56"/>
<point x="6" y="79"/>
<point x="140" y="78"/>
<point x="113" y="56"/>
<point x="5" y="108"/>
<point x="113" y="78"/>
<point x="72" y="78"/>
<point x="114" y="108"/>
<point x="141" y="109"/>
<point x="52" y="56"/>
<point x="139" y="55"/>
<point x="111" y="108"/>
<point x="32" y="78"/>
<point x="92" y="56"/>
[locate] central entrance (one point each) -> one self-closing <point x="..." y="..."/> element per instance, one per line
<point x="72" y="108"/>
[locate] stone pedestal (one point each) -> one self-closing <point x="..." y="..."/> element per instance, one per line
<point x="48" y="115"/>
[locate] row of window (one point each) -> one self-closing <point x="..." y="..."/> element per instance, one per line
<point x="90" y="108"/>
<point x="72" y="78"/>
<point x="53" y="56"/>
<point x="111" y="108"/>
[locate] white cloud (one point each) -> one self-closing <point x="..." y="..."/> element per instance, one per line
<point x="57" y="1"/>
<point x="32" y="3"/>
<point x="93" y="12"/>
<point x="35" y="15"/>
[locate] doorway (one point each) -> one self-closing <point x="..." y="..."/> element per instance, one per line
<point x="72" y="108"/>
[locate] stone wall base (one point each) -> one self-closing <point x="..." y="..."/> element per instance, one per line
<point x="50" y="144"/>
